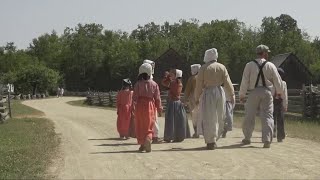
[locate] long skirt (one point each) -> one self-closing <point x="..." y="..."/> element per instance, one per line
<point x="144" y="119"/>
<point x="194" y="111"/>
<point x="211" y="113"/>
<point x="176" y="122"/>
<point x="229" y="116"/>
<point x="132" y="129"/>
<point x="123" y="121"/>
<point x="156" y="127"/>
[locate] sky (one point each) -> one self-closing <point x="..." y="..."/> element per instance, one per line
<point x="23" y="20"/>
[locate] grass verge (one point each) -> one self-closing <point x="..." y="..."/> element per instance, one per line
<point x="21" y="111"/>
<point x="27" y="143"/>
<point x="295" y="126"/>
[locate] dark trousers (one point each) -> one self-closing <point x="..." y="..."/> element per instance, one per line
<point x="278" y="115"/>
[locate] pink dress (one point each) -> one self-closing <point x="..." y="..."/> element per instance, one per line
<point x="146" y="99"/>
<point x="124" y="109"/>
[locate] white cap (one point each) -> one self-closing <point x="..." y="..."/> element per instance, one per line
<point x="211" y="55"/>
<point x="145" y="68"/>
<point x="195" y="68"/>
<point x="150" y="62"/>
<point x="178" y="73"/>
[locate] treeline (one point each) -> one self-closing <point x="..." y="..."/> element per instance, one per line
<point x="88" y="56"/>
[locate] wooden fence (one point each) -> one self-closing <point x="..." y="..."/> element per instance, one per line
<point x="110" y="98"/>
<point x="295" y="100"/>
<point x="4" y="113"/>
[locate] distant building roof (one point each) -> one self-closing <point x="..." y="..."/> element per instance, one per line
<point x="280" y="59"/>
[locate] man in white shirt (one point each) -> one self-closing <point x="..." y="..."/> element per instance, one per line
<point x="259" y="78"/>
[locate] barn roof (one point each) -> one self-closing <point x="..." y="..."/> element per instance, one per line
<point x="280" y="59"/>
<point x="170" y="51"/>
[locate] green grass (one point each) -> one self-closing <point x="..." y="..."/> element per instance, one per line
<point x="19" y="110"/>
<point x="82" y="103"/>
<point x="295" y="126"/>
<point x="27" y="144"/>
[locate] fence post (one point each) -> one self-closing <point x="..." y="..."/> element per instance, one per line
<point x="9" y="103"/>
<point x="110" y="99"/>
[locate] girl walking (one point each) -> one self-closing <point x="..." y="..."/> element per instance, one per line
<point x="146" y="99"/>
<point x="176" y="124"/>
<point x="124" y="109"/>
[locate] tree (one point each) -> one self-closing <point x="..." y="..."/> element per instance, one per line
<point x="32" y="79"/>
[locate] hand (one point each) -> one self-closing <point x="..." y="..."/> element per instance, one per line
<point x="242" y="99"/>
<point x="285" y="109"/>
<point x="233" y="100"/>
<point x="166" y="74"/>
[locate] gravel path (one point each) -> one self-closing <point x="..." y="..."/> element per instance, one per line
<point x="90" y="150"/>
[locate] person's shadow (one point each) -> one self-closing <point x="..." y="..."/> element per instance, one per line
<point x="115" y="145"/>
<point x="234" y="146"/>
<point x="108" y="139"/>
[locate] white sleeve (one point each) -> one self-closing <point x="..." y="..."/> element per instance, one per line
<point x="284" y="94"/>
<point x="245" y="81"/>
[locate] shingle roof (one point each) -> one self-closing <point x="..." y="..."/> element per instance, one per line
<point x="279" y="59"/>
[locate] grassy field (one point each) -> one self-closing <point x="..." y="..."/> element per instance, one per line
<point x="27" y="143"/>
<point x="295" y="126"/>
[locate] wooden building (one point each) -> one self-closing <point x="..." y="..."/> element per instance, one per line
<point x="168" y="60"/>
<point x="296" y="73"/>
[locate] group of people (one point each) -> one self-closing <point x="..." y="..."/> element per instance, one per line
<point x="210" y="96"/>
<point x="60" y="92"/>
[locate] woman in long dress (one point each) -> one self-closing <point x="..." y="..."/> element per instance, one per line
<point x="176" y="123"/>
<point x="212" y="97"/>
<point x="146" y="98"/>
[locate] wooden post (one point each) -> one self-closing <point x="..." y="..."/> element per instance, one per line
<point x="9" y="103"/>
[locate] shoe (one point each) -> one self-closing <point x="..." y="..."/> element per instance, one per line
<point x="280" y="140"/>
<point x="127" y="137"/>
<point x="224" y="134"/>
<point x="147" y="145"/>
<point x="211" y="146"/>
<point x="156" y="140"/>
<point x="267" y="144"/>
<point x="141" y="148"/>
<point x="246" y="142"/>
<point x="195" y="135"/>
<point x="177" y="141"/>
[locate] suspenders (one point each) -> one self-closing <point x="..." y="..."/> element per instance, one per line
<point x="260" y="73"/>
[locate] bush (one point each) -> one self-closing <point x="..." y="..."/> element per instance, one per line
<point x="33" y="79"/>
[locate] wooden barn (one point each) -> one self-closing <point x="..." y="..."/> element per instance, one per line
<point x="168" y="60"/>
<point x="296" y="73"/>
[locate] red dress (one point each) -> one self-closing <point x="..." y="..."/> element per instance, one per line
<point x="124" y="109"/>
<point x="146" y="98"/>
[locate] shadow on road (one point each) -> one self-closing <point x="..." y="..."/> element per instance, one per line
<point x="117" y="152"/>
<point x="123" y="144"/>
<point x="108" y="139"/>
<point x="234" y="146"/>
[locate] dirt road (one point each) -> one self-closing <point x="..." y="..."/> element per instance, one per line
<point x="90" y="150"/>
